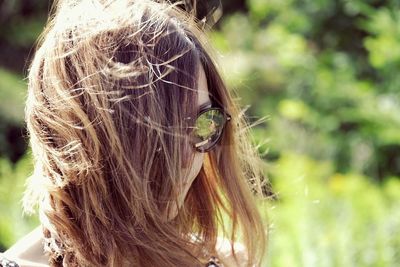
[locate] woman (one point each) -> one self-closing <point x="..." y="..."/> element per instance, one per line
<point x="141" y="154"/>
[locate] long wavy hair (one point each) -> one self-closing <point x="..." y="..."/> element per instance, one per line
<point x="112" y="91"/>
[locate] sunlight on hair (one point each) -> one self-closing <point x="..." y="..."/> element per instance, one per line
<point x="111" y="87"/>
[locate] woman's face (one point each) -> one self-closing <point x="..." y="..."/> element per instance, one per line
<point x="192" y="171"/>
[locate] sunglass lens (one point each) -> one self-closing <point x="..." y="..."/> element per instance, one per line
<point x="208" y="128"/>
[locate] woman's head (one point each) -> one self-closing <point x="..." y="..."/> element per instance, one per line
<point x="114" y="91"/>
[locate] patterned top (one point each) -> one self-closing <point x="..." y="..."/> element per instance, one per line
<point x="7" y="263"/>
<point x="4" y="262"/>
<point x="214" y="262"/>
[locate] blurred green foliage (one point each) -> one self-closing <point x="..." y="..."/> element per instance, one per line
<point x="13" y="224"/>
<point x="324" y="74"/>
<point x="325" y="218"/>
<point x="330" y="89"/>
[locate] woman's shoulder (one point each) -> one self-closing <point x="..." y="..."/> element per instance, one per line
<point x="225" y="254"/>
<point x="27" y="251"/>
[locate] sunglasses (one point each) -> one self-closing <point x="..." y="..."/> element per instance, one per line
<point x="208" y="128"/>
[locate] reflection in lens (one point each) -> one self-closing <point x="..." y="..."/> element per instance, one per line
<point x="208" y="127"/>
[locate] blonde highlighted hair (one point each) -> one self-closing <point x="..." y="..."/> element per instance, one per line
<point x="112" y="90"/>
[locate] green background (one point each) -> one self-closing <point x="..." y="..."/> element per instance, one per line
<point x="321" y="82"/>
